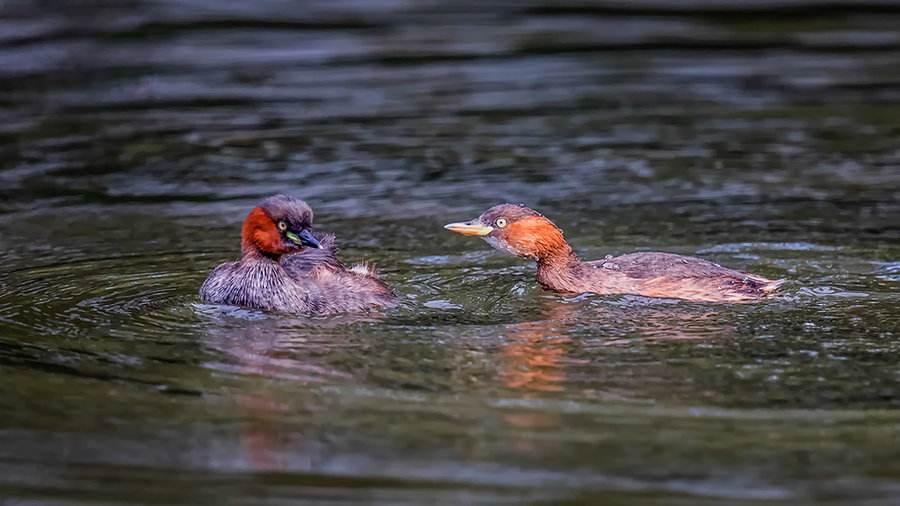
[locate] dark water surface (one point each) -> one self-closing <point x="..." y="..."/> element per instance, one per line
<point x="135" y="135"/>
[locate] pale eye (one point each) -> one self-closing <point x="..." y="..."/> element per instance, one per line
<point x="500" y="223"/>
<point x="282" y="226"/>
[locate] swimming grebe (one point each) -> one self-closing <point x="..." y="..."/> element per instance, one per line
<point x="285" y="268"/>
<point x="526" y="233"/>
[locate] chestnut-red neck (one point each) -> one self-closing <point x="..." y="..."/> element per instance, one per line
<point x="538" y="238"/>
<point x="260" y="235"/>
<point x="560" y="270"/>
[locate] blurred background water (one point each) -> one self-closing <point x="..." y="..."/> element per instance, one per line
<point x="136" y="135"/>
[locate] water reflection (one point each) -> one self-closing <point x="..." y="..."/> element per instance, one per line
<point x="261" y="437"/>
<point x="533" y="361"/>
<point x="254" y="345"/>
<point x="534" y="354"/>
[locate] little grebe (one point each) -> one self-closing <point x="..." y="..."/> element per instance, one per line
<point x="284" y="267"/>
<point x="526" y="233"/>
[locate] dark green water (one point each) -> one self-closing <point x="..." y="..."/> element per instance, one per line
<point x="136" y="135"/>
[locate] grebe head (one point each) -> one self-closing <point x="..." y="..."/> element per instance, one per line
<point x="279" y="224"/>
<point x="517" y="230"/>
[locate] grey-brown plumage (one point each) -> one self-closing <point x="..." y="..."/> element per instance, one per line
<point x="524" y="232"/>
<point x="285" y="268"/>
<point x="655" y="274"/>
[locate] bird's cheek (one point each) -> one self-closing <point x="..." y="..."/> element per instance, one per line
<point x="499" y="243"/>
<point x="270" y="241"/>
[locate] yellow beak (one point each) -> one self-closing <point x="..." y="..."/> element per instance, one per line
<point x="469" y="228"/>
